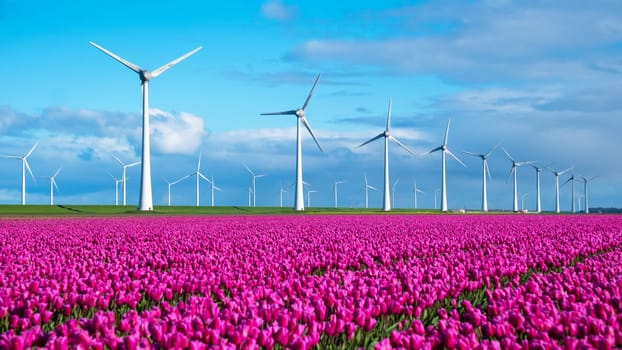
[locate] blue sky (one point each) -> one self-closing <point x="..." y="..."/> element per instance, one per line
<point x="541" y="77"/>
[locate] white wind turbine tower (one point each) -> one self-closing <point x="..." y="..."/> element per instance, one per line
<point x="415" y="190"/>
<point x="124" y="166"/>
<point x="393" y="192"/>
<point x="173" y="183"/>
<point x="557" y="174"/>
<point x="250" y="191"/>
<point x="300" y="117"/>
<point x="116" y="189"/>
<point x="514" y="169"/>
<point x="199" y="176"/>
<point x="254" y="181"/>
<point x="367" y="188"/>
<point x="53" y="185"/>
<point x="538" y="172"/>
<point x="25" y="166"/>
<point x="282" y="190"/>
<point x="386" y="201"/>
<point x="335" y="184"/>
<point x="213" y="187"/>
<point x="145" y="201"/>
<point x="309" y="197"/>
<point x="445" y="151"/>
<point x="485" y="171"/>
<point x="522" y="200"/>
<point x="571" y="179"/>
<point x="586" y="181"/>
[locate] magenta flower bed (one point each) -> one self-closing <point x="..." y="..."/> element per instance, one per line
<point x="304" y="281"/>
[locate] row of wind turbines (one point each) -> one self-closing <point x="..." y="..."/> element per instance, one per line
<point x="145" y="193"/>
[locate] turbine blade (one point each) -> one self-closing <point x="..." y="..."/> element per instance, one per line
<point x="456" y="158"/>
<point x="199" y="162"/>
<point x="512" y="169"/>
<point x="304" y="120"/>
<point x="204" y="178"/>
<point x="218" y="188"/>
<point x="118" y="160"/>
<point x="128" y="64"/>
<point x="434" y="150"/>
<point x="249" y="169"/>
<point x="507" y="154"/>
<point x="162" y="69"/>
<point x="311" y="93"/>
<point x="472" y="154"/>
<point x="55" y="185"/>
<point x="488" y="171"/>
<point x="563" y="171"/>
<point x="30" y="171"/>
<point x="493" y="149"/>
<point x="292" y="112"/>
<point x="12" y="157"/>
<point x="56" y="173"/>
<point x="262" y="175"/>
<point x="371" y="140"/>
<point x="32" y="149"/>
<point x="132" y="164"/>
<point x="447" y="133"/>
<point x="402" y="145"/>
<point x="372" y="187"/>
<point x="420" y="191"/>
<point x="389" y="116"/>
<point x="165" y="180"/>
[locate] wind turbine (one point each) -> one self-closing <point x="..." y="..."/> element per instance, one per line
<point x="116" y="189"/>
<point x="255" y="177"/>
<point x="24" y="167"/>
<point x="586" y="181"/>
<point x="282" y="190"/>
<point x="485" y="171"/>
<point x="52" y="185"/>
<point x="522" y="200"/>
<point x="538" y="172"/>
<point x="393" y="192"/>
<point x="557" y="174"/>
<point x="213" y="187"/>
<point x="309" y="197"/>
<point x="571" y="179"/>
<point x="335" y="184"/>
<point x="445" y="151"/>
<point x="171" y="184"/>
<point x="300" y="117"/>
<point x="145" y="201"/>
<point x="415" y="190"/>
<point x="514" y="169"/>
<point x="199" y="176"/>
<point x="386" y="134"/>
<point x="125" y="166"/>
<point x="367" y="188"/>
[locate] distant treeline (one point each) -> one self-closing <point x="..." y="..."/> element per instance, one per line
<point x="606" y="210"/>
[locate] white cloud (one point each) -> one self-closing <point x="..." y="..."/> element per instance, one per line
<point x="176" y="134"/>
<point x="275" y="9"/>
<point x="487" y="42"/>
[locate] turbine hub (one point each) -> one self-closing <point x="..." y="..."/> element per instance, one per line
<point x="444" y="148"/>
<point x="386" y="133"/>
<point x="300" y="113"/>
<point x="145" y="75"/>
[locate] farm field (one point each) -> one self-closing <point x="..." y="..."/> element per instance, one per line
<point x="301" y="282"/>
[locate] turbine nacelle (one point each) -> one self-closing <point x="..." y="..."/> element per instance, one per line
<point x="145" y="75"/>
<point x="300" y="113"/>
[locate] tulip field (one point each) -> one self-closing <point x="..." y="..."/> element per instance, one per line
<point x="305" y="282"/>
